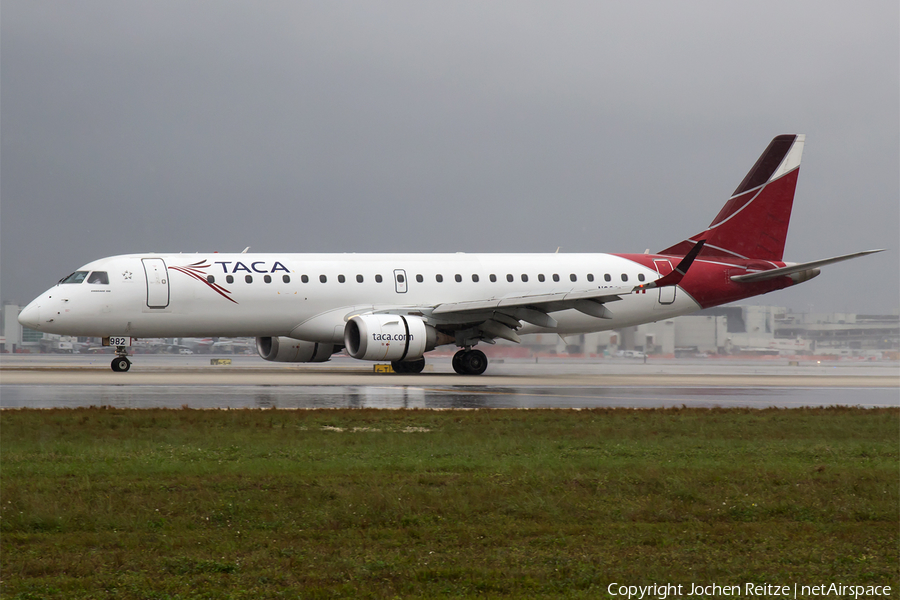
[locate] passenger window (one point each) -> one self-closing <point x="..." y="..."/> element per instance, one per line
<point x="287" y="278"/>
<point x="474" y="277"/>
<point x="378" y="279"/>
<point x="590" y="276"/>
<point x="267" y="279"/>
<point x="573" y="277"/>
<point x="400" y="278"/>
<point x="229" y="279"/>
<point x="457" y="277"/>
<point x="524" y="277"/>
<point x="303" y="278"/>
<point x="323" y="279"/>
<point x="493" y="278"/>
<point x="210" y="278"/>
<point x="419" y="278"/>
<point x="555" y="277"/>
<point x="624" y="277"/>
<point x="76" y="277"/>
<point x="541" y="277"/>
<point x="439" y="278"/>
<point x="248" y="278"/>
<point x="509" y="277"/>
<point x="359" y="279"/>
<point x="99" y="277"/>
<point x="607" y="277"/>
<point x="341" y="279"/>
<point x="641" y="277"/>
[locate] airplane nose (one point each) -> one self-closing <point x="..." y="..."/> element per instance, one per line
<point x="31" y="316"/>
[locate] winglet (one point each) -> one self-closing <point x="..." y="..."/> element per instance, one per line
<point x="675" y="277"/>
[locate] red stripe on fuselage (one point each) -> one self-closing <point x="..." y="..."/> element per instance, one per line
<point x="200" y="276"/>
<point x="709" y="283"/>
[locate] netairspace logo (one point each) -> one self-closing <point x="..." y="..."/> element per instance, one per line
<point x="750" y="590"/>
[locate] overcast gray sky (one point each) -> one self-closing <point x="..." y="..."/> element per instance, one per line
<point x="442" y="126"/>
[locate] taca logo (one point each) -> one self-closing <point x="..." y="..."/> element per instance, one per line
<point x="259" y="266"/>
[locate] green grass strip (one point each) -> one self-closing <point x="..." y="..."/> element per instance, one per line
<point x="107" y="503"/>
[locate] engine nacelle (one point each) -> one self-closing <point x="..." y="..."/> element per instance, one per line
<point x="285" y="349"/>
<point x="391" y="337"/>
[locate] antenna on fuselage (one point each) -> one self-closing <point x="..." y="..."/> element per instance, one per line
<point x="244" y="251"/>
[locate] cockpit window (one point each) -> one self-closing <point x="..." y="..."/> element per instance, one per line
<point x="76" y="277"/>
<point x="99" y="277"/>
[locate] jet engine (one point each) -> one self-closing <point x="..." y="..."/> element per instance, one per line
<point x="391" y="337"/>
<point x="285" y="349"/>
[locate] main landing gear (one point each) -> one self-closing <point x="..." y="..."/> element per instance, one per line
<point x="121" y="363"/>
<point x="470" y="362"/>
<point x="465" y="362"/>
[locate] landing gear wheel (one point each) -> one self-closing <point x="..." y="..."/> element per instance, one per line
<point x="474" y="362"/>
<point x="457" y="362"/>
<point x="120" y="364"/>
<point x="470" y="362"/>
<point x="408" y="366"/>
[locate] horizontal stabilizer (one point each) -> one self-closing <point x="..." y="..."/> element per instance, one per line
<point x="799" y="268"/>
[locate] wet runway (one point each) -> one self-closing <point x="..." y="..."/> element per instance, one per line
<point x="445" y="397"/>
<point x="174" y="382"/>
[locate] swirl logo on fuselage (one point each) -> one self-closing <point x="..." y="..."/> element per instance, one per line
<point x="196" y="270"/>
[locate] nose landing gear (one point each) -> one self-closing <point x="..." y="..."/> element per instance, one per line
<point x="470" y="362"/>
<point x="121" y="363"/>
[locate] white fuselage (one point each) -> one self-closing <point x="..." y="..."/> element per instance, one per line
<point x="311" y="296"/>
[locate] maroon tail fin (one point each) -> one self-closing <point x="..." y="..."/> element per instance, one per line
<point x="754" y="221"/>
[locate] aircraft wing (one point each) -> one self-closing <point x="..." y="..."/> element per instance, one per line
<point x="501" y="317"/>
<point x="542" y="303"/>
<point x="798" y="268"/>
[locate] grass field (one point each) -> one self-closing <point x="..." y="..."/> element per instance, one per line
<point x="104" y="503"/>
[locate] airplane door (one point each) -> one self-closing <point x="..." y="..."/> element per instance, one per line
<point x="157" y="282"/>
<point x="400" y="281"/>
<point x="667" y="293"/>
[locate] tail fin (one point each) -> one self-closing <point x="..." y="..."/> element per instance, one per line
<point x="754" y="221"/>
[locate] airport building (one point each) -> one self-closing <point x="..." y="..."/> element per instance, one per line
<point x="764" y="331"/>
<point x="740" y="330"/>
<point x="842" y="333"/>
<point x="12" y="331"/>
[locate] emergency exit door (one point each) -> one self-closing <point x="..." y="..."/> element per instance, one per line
<point x="666" y="293"/>
<point x="157" y="282"/>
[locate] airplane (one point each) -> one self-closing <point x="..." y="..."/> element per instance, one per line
<point x="397" y="307"/>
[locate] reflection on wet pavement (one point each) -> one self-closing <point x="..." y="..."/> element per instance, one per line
<point x="444" y="397"/>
